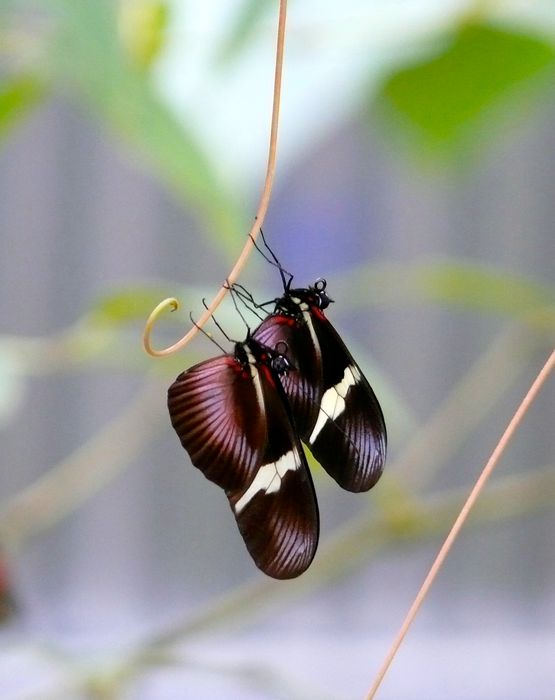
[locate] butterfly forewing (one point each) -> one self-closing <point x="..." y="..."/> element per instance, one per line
<point x="335" y="410"/>
<point x="349" y="435"/>
<point x="303" y="383"/>
<point x="217" y="413"/>
<point x="277" y="512"/>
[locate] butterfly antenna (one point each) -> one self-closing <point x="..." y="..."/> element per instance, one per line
<point x="246" y="297"/>
<point x="272" y="261"/>
<point x="244" y="294"/>
<point x="206" y="333"/>
<point x="233" y="295"/>
<point x="248" y="300"/>
<point x="286" y="276"/>
<point x="225" y="335"/>
<point x="283" y="272"/>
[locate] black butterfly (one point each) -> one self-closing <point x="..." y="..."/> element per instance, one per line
<point x="334" y="407"/>
<point x="233" y="418"/>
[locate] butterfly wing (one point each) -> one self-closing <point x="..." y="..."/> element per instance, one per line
<point x="219" y="418"/>
<point x="349" y="436"/>
<point x="303" y="383"/>
<point x="277" y="513"/>
<point x="234" y="421"/>
<point x="334" y="407"/>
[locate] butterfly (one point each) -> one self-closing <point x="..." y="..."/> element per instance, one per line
<point x="334" y="407"/>
<point x="233" y="418"/>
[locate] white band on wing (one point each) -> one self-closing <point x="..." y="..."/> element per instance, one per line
<point x="268" y="478"/>
<point x="333" y="401"/>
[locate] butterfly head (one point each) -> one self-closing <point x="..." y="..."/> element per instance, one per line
<point x="275" y="358"/>
<point x="279" y="361"/>
<point x="319" y="295"/>
<point x="296" y="301"/>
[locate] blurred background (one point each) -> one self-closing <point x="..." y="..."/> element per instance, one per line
<point x="416" y="165"/>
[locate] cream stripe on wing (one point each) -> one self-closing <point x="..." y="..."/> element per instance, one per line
<point x="268" y="478"/>
<point x="255" y="378"/>
<point x="333" y="401"/>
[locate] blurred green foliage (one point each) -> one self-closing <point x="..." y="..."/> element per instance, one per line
<point x="143" y="30"/>
<point x="474" y="79"/>
<point x="102" y="54"/>
<point x="453" y="283"/>
<point x="126" y="305"/>
<point x="18" y="94"/>
<point x="86" y="51"/>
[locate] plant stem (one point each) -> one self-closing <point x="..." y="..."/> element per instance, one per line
<point x="172" y="303"/>
<point x="462" y="517"/>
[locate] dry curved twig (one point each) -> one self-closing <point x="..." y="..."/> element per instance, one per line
<point x="172" y="303"/>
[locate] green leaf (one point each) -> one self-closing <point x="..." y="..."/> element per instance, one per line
<point x="135" y="302"/>
<point x="126" y="305"/>
<point x="484" y="289"/>
<point x="453" y="283"/>
<point x="143" y="28"/>
<point x="90" y="59"/>
<point x="444" y="100"/>
<point x="17" y="96"/>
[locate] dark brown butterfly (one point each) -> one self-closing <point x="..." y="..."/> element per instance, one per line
<point x="334" y="407"/>
<point x="233" y="418"/>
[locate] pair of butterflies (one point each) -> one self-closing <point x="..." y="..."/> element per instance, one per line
<point x="242" y="417"/>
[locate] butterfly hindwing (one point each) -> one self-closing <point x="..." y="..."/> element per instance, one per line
<point x="277" y="513"/>
<point x="303" y="383"/>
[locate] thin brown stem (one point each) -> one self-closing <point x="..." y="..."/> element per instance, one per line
<point x="461" y="519"/>
<point x="172" y="303"/>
